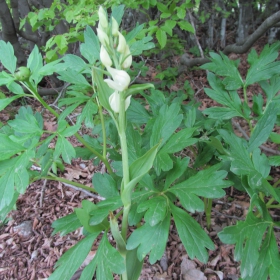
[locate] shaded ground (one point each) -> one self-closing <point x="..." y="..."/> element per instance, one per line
<point x="28" y="251"/>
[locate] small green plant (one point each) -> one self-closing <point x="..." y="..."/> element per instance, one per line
<point x="249" y="168"/>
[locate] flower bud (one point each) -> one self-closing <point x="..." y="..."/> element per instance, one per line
<point x="122" y="43"/>
<point x="102" y="18"/>
<point x="104" y="57"/>
<point x="120" y="81"/>
<point x="103" y="37"/>
<point x="115" y="27"/>
<point x="127" y="58"/>
<point x="115" y="100"/>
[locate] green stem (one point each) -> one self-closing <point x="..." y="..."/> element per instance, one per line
<point x="103" y="129"/>
<point x="122" y="135"/>
<point x="246" y="101"/>
<point x="40" y="99"/>
<point x="63" y="180"/>
<point x="208" y="207"/>
<point x="104" y="159"/>
<point x="276" y="183"/>
<point x="273" y="206"/>
<point x="245" y="94"/>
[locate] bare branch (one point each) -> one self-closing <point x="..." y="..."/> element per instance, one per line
<point x="247" y="44"/>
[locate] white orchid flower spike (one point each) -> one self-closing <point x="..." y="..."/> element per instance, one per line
<point x="115" y="100"/>
<point x="120" y="80"/>
<point x="104" y="57"/>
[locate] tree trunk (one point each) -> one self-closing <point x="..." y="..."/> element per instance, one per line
<point x="9" y="33"/>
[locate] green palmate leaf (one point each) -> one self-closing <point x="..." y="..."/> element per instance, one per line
<point x="7" y="183"/>
<point x="104" y="208"/>
<point x="64" y="148"/>
<point x="66" y="224"/>
<point x="29" y="125"/>
<point x="178" y="170"/>
<point x="208" y="183"/>
<point x="179" y="141"/>
<point x="247" y="235"/>
<point x="71" y="130"/>
<point x="156" y="100"/>
<point x="35" y="63"/>
<point x="216" y="143"/>
<point x="221" y="113"/>
<point x="271" y="88"/>
<point x="263" y="67"/>
<point x="205" y="153"/>
<point x="229" y="99"/>
<point x="139" y="46"/>
<point x="103" y="90"/>
<point x="263" y="127"/>
<point x="163" y="162"/>
<point x="67" y="265"/>
<point x="161" y="37"/>
<point x="156" y="209"/>
<point x="130" y="37"/>
<point x="106" y="261"/>
<point x="74" y="97"/>
<point x="137" y="197"/>
<point x="261" y="163"/>
<point x="5" y="78"/>
<point x="5" y="102"/>
<point x="75" y="62"/>
<point x="241" y="162"/>
<point x="275" y="137"/>
<point x="8" y="148"/>
<point x="136" y="113"/>
<point x="105" y="185"/>
<point x="256" y="167"/>
<point x="7" y="56"/>
<point x="257" y="104"/>
<point x="14" y="177"/>
<point x="21" y="179"/>
<point x="134" y="142"/>
<point x="221" y="65"/>
<point x="50" y="68"/>
<point x="269" y="262"/>
<point x="274" y="160"/>
<point x="193" y="237"/>
<point x="150" y="239"/>
<point x="83" y="215"/>
<point x="89" y="110"/>
<point x="5" y="211"/>
<point x="166" y="123"/>
<point x="73" y="77"/>
<point x="91" y="48"/>
<point x="15" y="88"/>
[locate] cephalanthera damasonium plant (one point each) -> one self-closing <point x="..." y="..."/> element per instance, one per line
<point x="140" y="148"/>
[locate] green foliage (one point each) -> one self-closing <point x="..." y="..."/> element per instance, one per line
<point x="254" y="238"/>
<point x="151" y="184"/>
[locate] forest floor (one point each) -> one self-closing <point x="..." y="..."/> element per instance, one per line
<point x="29" y="251"/>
